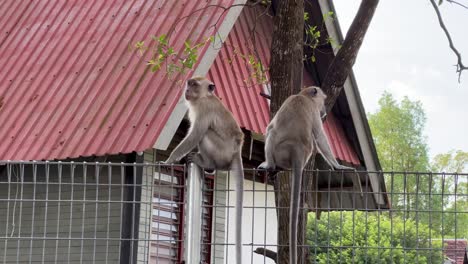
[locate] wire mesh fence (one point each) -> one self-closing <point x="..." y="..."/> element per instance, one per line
<point x="78" y="212"/>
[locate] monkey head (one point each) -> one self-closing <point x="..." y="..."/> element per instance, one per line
<point x="314" y="93"/>
<point x="317" y="95"/>
<point x="198" y="87"/>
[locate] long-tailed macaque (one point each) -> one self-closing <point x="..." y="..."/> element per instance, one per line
<point x="219" y="139"/>
<point x="292" y="135"/>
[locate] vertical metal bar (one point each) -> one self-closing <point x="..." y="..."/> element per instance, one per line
<point x="33" y="222"/>
<point x="328" y="216"/>
<point x="19" y="182"/>
<point x="405" y="214"/>
<point x="194" y="215"/>
<point x="144" y="204"/>
<point x="59" y="167"/>
<point x="228" y="208"/>
<point x="392" y="190"/>
<point x="366" y="217"/>
<point x="341" y="216"/>
<point x="442" y="210"/>
<point x="455" y="206"/>
<point x="109" y="189"/>
<point x="317" y="206"/>
<point x="96" y="202"/>
<point x="151" y="197"/>
<point x="430" y="215"/>
<point x="160" y="206"/>
<point x="416" y="220"/>
<point x="213" y="222"/>
<point x="47" y="171"/>
<point x="85" y="186"/>
<point x="266" y="211"/>
<point x="132" y="231"/>
<point x="7" y="227"/>
<point x="253" y="218"/>
<point x="72" y="182"/>
<point x="353" y="197"/>
<point x="122" y="198"/>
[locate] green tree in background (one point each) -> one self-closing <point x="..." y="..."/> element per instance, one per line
<point x="453" y="223"/>
<point x="428" y="198"/>
<point x="397" y="129"/>
<point x="363" y="237"/>
<point x="453" y="161"/>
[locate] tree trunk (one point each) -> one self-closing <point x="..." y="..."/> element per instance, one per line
<point x="286" y="71"/>
<point x="344" y="60"/>
<point x="286" y="68"/>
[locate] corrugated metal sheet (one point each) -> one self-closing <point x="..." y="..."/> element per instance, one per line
<point x="230" y="72"/>
<point x="69" y="86"/>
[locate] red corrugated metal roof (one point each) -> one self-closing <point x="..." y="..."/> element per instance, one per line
<point x="232" y="73"/>
<point x="456" y="249"/>
<point x="69" y="85"/>
<point x="229" y="73"/>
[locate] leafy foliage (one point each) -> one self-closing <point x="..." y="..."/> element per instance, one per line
<point x="397" y="129"/>
<point x="363" y="237"/>
<point x="428" y="198"/>
<point x="453" y="161"/>
<point x="164" y="53"/>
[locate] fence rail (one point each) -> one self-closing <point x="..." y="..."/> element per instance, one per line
<point x="100" y="212"/>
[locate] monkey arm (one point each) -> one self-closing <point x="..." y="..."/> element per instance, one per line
<point x="195" y="135"/>
<point x="324" y="146"/>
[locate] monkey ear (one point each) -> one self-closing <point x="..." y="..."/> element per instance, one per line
<point x="314" y="91"/>
<point x="211" y="88"/>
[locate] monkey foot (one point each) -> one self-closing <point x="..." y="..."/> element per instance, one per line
<point x="210" y="171"/>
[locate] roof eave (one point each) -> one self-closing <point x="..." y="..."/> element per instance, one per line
<point x="353" y="97"/>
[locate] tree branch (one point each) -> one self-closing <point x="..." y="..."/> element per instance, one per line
<point x="457" y="3"/>
<point x="460" y="66"/>
<point x="343" y="62"/>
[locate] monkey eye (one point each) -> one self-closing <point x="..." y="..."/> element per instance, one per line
<point x="191" y="82"/>
<point x="211" y="88"/>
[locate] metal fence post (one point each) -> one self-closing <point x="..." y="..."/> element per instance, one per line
<point x="194" y="215"/>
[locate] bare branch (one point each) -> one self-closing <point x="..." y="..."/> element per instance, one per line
<point x="457" y="3"/>
<point x="460" y="66"/>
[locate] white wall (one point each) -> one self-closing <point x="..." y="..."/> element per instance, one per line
<point x="265" y="221"/>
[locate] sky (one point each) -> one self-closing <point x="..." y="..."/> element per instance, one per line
<point x="406" y="53"/>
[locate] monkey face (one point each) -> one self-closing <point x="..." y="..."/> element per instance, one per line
<point x="198" y="87"/>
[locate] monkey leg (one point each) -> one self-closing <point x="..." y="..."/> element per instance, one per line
<point x="205" y="163"/>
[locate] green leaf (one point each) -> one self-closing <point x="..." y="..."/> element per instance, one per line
<point x="156" y="67"/>
<point x="163" y="39"/>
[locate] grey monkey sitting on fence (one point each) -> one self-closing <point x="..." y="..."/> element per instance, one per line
<point x="219" y="139"/>
<point x="292" y="136"/>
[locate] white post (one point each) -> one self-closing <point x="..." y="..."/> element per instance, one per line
<point x="193" y="218"/>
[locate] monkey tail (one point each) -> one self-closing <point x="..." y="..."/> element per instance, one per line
<point x="294" y="206"/>
<point x="238" y="171"/>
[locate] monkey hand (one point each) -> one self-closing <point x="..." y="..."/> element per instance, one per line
<point x="190" y="157"/>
